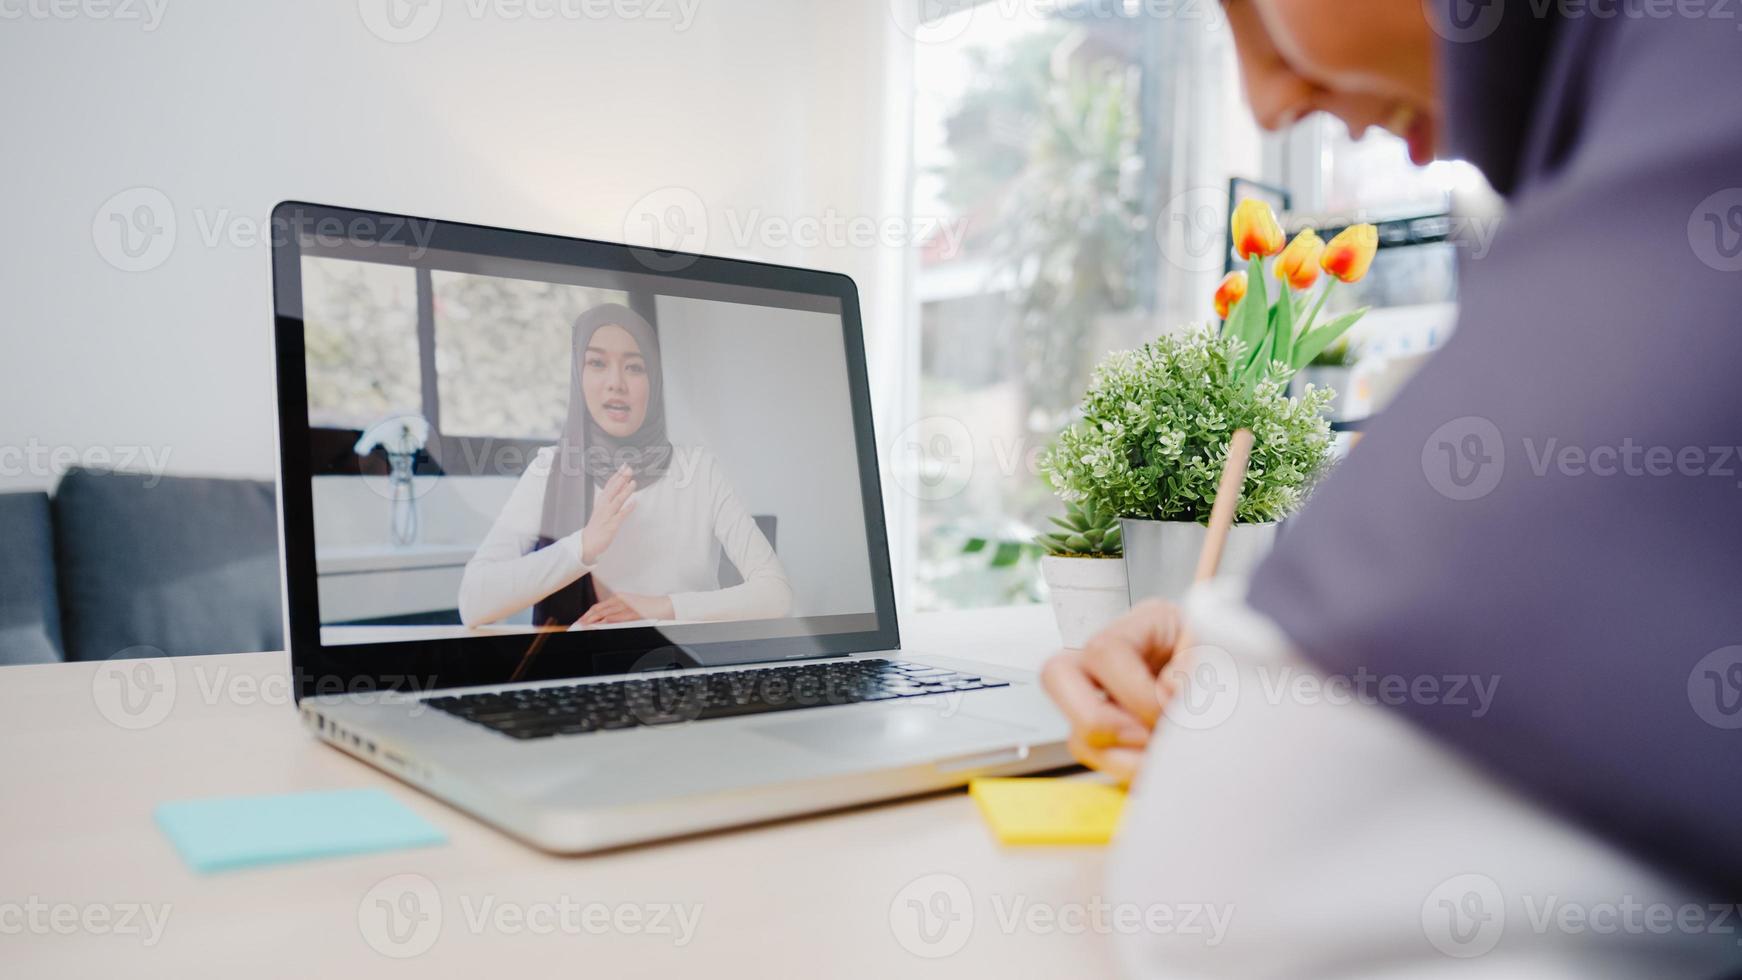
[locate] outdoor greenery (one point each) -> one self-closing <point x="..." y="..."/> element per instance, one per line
<point x="1071" y="229"/>
<point x="1155" y="430"/>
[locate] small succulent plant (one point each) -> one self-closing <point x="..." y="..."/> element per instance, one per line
<point x="1086" y="531"/>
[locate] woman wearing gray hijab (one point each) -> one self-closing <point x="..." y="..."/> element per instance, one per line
<point x="1480" y="712"/>
<point x="614" y="524"/>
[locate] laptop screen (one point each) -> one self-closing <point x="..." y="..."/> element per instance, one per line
<point x="503" y="446"/>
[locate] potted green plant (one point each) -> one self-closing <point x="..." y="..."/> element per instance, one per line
<point x="1084" y="567"/>
<point x="1157" y="421"/>
<point x="1149" y="447"/>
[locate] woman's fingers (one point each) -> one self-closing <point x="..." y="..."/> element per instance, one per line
<point x="1152" y="629"/>
<point x="1121" y="671"/>
<point x="1116" y="761"/>
<point x="1094" y="719"/>
<point x="602" y="611"/>
<point x="1125" y="658"/>
<point x="617" y="491"/>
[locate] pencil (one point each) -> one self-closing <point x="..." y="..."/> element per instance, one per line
<point x="1226" y="503"/>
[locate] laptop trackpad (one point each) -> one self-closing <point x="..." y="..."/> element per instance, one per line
<point x="897" y="731"/>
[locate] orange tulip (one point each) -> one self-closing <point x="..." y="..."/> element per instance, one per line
<point x="1231" y="290"/>
<point x="1350" y="253"/>
<point x="1255" y="230"/>
<point x="1298" y="265"/>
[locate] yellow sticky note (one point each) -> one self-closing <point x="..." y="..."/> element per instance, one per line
<point x="1049" y="811"/>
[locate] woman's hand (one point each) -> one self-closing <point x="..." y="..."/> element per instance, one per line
<point x="612" y="509"/>
<point x="625" y="607"/>
<point x="1108" y="690"/>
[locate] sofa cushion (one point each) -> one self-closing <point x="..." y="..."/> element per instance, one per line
<point x="153" y="566"/>
<point x="29" y="609"/>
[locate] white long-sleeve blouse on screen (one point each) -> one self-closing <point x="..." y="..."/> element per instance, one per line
<point x="670" y="545"/>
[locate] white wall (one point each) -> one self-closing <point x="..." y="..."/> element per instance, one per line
<point x="765" y="390"/>
<point x="758" y="115"/>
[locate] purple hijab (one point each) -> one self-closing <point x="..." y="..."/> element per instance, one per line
<point x="1555" y="501"/>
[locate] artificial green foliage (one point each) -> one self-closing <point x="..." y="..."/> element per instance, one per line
<point x="1156" y="425"/>
<point x="1086" y="531"/>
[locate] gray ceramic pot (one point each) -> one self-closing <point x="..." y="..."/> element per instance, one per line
<point x="1162" y="556"/>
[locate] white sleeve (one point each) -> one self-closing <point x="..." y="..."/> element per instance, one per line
<point x="505" y="574"/>
<point x="765" y="592"/>
<point x="1286" y="827"/>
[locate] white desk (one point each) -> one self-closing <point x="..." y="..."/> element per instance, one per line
<point x="806" y="897"/>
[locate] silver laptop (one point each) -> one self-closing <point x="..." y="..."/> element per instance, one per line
<point x="588" y="541"/>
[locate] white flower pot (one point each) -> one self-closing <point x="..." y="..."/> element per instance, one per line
<point x="1087" y="594"/>
<point x="1161" y="557"/>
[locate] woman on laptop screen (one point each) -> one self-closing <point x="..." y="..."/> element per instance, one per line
<point x="614" y="523"/>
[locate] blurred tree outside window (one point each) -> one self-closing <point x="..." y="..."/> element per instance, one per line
<point x="502" y="352"/>
<point x="1061" y="136"/>
<point x="360" y="333"/>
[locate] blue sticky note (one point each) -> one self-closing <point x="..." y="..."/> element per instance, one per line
<point x="223" y="833"/>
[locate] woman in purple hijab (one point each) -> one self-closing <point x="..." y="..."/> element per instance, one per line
<point x="1551" y="511"/>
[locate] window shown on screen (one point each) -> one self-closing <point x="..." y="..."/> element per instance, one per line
<point x="507" y="453"/>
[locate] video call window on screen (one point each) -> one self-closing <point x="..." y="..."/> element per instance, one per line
<point x="508" y="446"/>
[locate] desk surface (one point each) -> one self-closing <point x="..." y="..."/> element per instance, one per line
<point x="833" y="895"/>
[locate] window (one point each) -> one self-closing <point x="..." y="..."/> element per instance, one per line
<point x="1061" y="137"/>
<point x="501" y="347"/>
<point x="360" y="333"/>
<point x="1086" y="149"/>
<point x="385" y="340"/>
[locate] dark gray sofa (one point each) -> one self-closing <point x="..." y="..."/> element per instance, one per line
<point x="129" y="565"/>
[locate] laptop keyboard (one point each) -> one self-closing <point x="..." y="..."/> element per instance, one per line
<point x="579" y="709"/>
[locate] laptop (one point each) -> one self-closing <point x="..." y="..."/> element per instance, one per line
<point x="587" y="540"/>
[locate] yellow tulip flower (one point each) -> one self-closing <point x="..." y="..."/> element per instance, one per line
<point x="1298" y="265"/>
<point x="1349" y="254"/>
<point x="1255" y="230"/>
<point x="1231" y="290"/>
